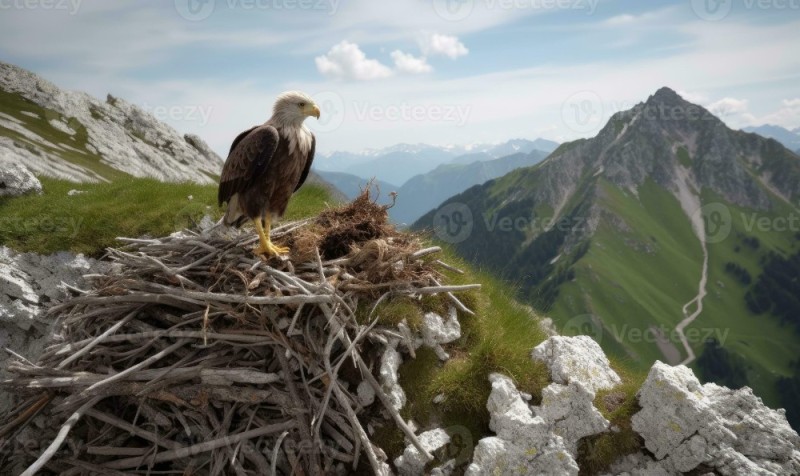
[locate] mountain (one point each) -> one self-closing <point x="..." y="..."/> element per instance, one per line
<point x="514" y="146"/>
<point x="74" y="136"/>
<point x="423" y="192"/>
<point x="668" y="236"/>
<point x="790" y="139"/>
<point x="398" y="163"/>
<point x="351" y="185"/>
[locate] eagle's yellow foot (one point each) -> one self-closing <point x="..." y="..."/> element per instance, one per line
<point x="268" y="249"/>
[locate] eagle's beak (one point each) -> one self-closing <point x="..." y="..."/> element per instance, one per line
<point x="312" y="110"/>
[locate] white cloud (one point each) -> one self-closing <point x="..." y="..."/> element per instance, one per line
<point x="346" y="61"/>
<point x="787" y="116"/>
<point x="408" y="63"/>
<point x="433" y="44"/>
<point x="726" y="107"/>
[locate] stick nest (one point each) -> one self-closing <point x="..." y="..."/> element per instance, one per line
<point x="196" y="357"/>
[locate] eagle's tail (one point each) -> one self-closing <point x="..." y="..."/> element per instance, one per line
<point x="233" y="215"/>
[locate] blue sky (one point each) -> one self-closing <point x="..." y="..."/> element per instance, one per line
<point x="433" y="71"/>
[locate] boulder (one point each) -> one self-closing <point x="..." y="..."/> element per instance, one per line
<point x="524" y="443"/>
<point x="685" y="424"/>
<point x="16" y="180"/>
<point x="577" y="358"/>
<point x="412" y="462"/>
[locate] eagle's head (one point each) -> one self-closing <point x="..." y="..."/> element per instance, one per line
<point x="293" y="107"/>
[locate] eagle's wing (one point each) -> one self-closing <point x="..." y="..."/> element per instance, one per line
<point x="309" y="159"/>
<point x="248" y="159"/>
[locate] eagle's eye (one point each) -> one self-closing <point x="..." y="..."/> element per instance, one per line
<point x="302" y="104"/>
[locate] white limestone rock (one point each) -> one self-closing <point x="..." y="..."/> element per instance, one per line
<point x="637" y="464"/>
<point x="685" y="424"/>
<point x="390" y="378"/>
<point x="577" y="358"/>
<point x="524" y="444"/>
<point x="437" y="331"/>
<point x="124" y="136"/>
<point x="412" y="462"/>
<point x="366" y="394"/>
<point x="28" y="284"/>
<point x="16" y="179"/>
<point x="570" y="412"/>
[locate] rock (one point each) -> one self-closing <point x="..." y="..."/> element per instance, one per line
<point x="412" y="462"/>
<point x="445" y="469"/>
<point x="577" y="358"/>
<point x="16" y="179"/>
<point x="437" y="331"/>
<point x="389" y="377"/>
<point x="686" y="424"/>
<point x="28" y="283"/>
<point x="74" y="192"/>
<point x="366" y="394"/>
<point x="123" y="136"/>
<point x="524" y="444"/>
<point x="637" y="464"/>
<point x="570" y="413"/>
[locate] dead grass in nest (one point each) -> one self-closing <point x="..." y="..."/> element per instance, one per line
<point x="360" y="231"/>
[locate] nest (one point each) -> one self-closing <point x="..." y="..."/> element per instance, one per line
<point x="196" y="357"/>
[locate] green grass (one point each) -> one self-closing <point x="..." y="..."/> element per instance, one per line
<point x="90" y="222"/>
<point x="683" y="157"/>
<point x="635" y="279"/>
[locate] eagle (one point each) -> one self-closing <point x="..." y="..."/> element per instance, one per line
<point x="266" y="165"/>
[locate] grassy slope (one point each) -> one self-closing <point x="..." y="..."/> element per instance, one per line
<point x="666" y="279"/>
<point x="89" y="222"/>
<point x="76" y="153"/>
<point x="652" y="257"/>
<point x="498" y="338"/>
<point x="766" y="346"/>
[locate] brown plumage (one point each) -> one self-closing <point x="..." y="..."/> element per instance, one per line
<point x="266" y="165"/>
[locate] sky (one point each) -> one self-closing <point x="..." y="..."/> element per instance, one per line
<point x="415" y="71"/>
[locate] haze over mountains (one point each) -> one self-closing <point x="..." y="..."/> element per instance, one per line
<point x="429" y="183"/>
<point x="398" y="163"/>
<point x="789" y="138"/>
<point x="665" y="220"/>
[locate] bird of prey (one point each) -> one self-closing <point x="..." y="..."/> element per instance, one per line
<point x="266" y="165"/>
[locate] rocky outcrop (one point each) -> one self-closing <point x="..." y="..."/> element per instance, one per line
<point x="75" y="130"/>
<point x="28" y="284"/>
<point x="16" y="179"/>
<point x="524" y="443"/>
<point x="685" y="424"/>
<point x="577" y="359"/>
